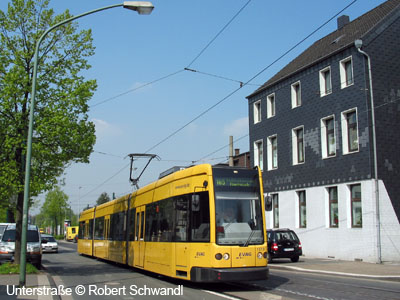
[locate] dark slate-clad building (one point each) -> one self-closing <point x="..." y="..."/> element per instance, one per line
<point x="312" y="133"/>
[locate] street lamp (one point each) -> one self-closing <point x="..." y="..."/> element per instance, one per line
<point x="143" y="8"/>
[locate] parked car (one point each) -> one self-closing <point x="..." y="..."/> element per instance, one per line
<point x="33" y="245"/>
<point x="3" y="227"/>
<point x="49" y="243"/>
<point x="283" y="243"/>
<point x="76" y="239"/>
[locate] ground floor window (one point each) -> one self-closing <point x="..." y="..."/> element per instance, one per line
<point x="333" y="207"/>
<point x="302" y="209"/>
<point x="356" y="207"/>
<point x="275" y="207"/>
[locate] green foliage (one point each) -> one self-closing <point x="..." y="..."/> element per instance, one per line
<point x="54" y="209"/>
<point x="10" y="268"/>
<point x="62" y="132"/>
<point x="103" y="198"/>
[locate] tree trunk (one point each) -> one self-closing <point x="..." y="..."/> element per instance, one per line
<point x="18" y="229"/>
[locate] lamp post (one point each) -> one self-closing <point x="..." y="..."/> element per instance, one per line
<point x="143" y="8"/>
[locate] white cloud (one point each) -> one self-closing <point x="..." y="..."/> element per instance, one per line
<point x="238" y="127"/>
<point x="104" y="128"/>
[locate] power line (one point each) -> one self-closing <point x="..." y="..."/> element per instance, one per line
<point x="218" y="34"/>
<point x="218" y="76"/>
<point x="137" y="88"/>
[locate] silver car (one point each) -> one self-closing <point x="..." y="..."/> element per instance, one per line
<point x="33" y="245"/>
<point x="49" y="243"/>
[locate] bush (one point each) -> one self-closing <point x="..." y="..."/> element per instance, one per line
<point x="59" y="237"/>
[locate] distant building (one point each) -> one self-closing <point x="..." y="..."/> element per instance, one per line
<point x="241" y="159"/>
<point x="311" y="132"/>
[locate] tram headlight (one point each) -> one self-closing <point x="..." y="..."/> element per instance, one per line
<point x="265" y="254"/>
<point x="218" y="256"/>
<point x="260" y="255"/>
<point x="226" y="256"/>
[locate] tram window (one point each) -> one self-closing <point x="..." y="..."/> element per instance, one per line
<point x="200" y="219"/>
<point x="159" y="218"/>
<point x="132" y="225"/>
<point x="99" y="228"/>
<point x="81" y="231"/>
<point x="117" y="230"/>
<point x="141" y="225"/>
<point x="181" y="220"/>
<point x="90" y="229"/>
<point x="166" y="217"/>
<point x="137" y="226"/>
<point x="151" y="223"/>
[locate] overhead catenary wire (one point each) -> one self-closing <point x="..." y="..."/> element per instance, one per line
<point x="137" y="88"/>
<point x="218" y="34"/>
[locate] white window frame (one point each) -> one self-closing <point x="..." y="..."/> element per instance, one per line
<point x="345" y="132"/>
<point x="271" y="105"/>
<point x="270" y="154"/>
<point x="324" y="141"/>
<point x="257" y="111"/>
<point x="295" y="156"/>
<point x="296" y="98"/>
<point x="322" y="82"/>
<point x="257" y="156"/>
<point x="343" y="81"/>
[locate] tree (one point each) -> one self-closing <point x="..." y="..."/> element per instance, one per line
<point x="62" y="132"/>
<point x="55" y="209"/>
<point x="103" y="198"/>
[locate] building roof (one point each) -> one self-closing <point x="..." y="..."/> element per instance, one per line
<point x="334" y="42"/>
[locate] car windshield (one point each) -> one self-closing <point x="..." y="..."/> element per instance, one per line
<point x="286" y="235"/>
<point x="31" y="236"/>
<point x="238" y="207"/>
<point x="48" y="238"/>
<point x="2" y="228"/>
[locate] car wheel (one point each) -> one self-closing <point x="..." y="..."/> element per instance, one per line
<point x="38" y="265"/>
<point x="295" y="259"/>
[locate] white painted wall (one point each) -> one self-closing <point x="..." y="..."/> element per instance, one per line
<point x="345" y="242"/>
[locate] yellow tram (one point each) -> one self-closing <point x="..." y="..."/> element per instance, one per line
<point x="204" y="224"/>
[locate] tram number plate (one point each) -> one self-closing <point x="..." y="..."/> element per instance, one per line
<point x="288" y="249"/>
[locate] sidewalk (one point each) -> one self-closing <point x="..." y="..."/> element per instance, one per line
<point x="8" y="282"/>
<point x="341" y="267"/>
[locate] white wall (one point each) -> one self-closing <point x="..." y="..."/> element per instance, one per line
<point x="344" y="242"/>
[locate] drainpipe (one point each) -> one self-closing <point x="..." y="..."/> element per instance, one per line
<point x="358" y="45"/>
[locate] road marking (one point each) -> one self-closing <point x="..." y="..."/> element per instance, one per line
<point x="303" y="294"/>
<point x="221" y="295"/>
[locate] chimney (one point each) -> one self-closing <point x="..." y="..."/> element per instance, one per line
<point x="231" y="151"/>
<point x="342" y="21"/>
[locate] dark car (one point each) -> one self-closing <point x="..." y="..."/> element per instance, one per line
<point x="283" y="243"/>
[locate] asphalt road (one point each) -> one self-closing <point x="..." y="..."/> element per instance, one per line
<point x="95" y="278"/>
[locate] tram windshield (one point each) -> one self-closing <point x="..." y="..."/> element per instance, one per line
<point x="238" y="207"/>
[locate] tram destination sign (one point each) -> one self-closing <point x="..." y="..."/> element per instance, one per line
<point x="235" y="182"/>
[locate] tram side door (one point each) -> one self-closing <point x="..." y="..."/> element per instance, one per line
<point x="139" y="247"/>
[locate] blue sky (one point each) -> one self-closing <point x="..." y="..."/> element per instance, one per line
<point x="133" y="116"/>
